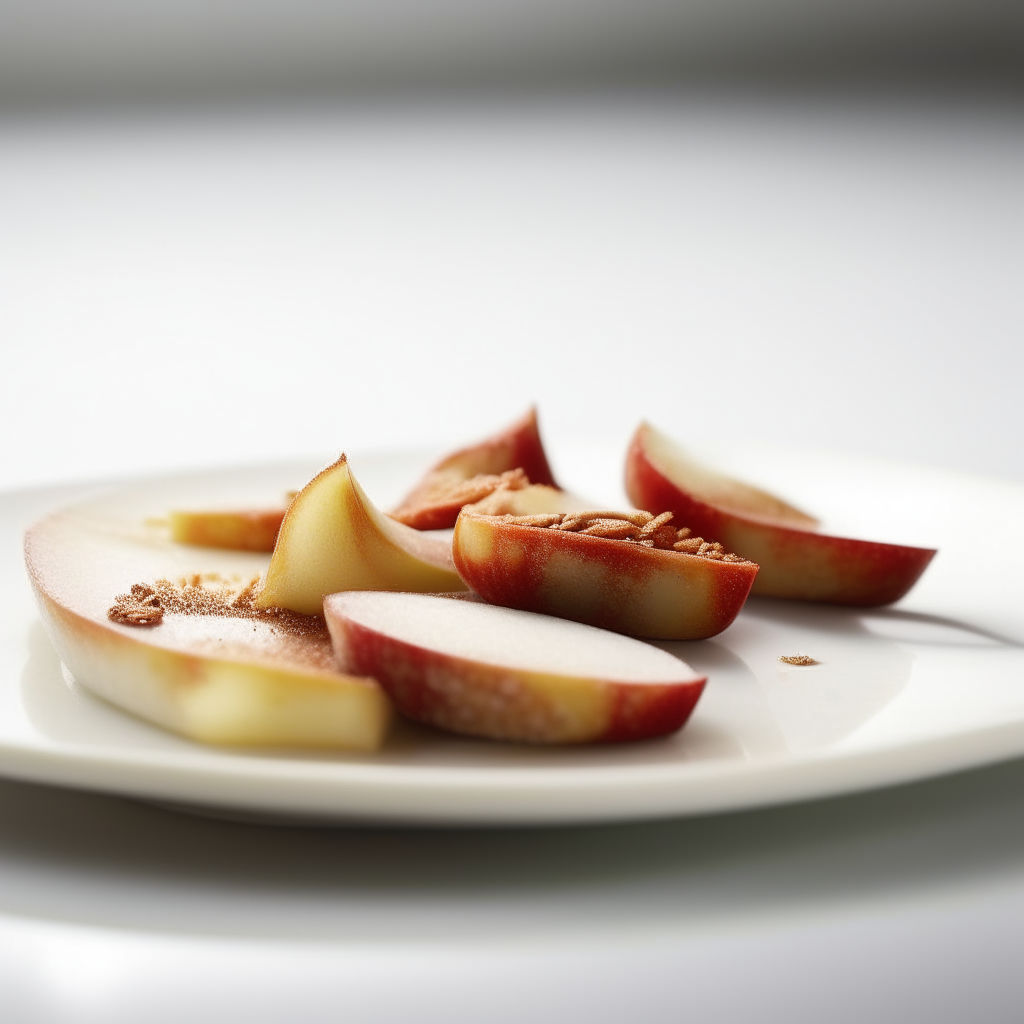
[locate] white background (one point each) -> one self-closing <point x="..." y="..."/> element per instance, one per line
<point x="182" y="291"/>
<point x="207" y="289"/>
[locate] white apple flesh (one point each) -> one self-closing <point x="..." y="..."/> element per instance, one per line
<point x="483" y="670"/>
<point x="535" y="499"/>
<point x="334" y="538"/>
<point x="217" y="679"/>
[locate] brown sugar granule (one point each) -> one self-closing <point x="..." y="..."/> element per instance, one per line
<point x="798" y="659"/>
<point x="140" y="607"/>
<point x="147" y="604"/>
<point x="642" y="528"/>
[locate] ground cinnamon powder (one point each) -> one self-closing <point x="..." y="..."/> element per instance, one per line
<point x="147" y="604"/>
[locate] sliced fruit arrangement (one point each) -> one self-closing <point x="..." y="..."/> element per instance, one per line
<point x="353" y="605"/>
<point x="194" y="655"/>
<point x="795" y="561"/>
<point x="493" y="477"/>
<point x="334" y="538"/>
<point x="500" y="673"/>
<point x="630" y="572"/>
<point x="509" y="461"/>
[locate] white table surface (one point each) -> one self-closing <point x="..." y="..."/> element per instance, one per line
<point x="189" y="290"/>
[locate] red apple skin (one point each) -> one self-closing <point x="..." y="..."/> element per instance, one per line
<point x="795" y="563"/>
<point x="517" y="447"/>
<point x="475" y="699"/>
<point x="612" y="584"/>
<point x="248" y="530"/>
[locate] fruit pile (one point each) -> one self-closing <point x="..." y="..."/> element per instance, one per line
<point x="519" y="622"/>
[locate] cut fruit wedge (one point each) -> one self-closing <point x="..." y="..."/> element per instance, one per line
<point x="245" y="530"/>
<point x="527" y="501"/>
<point x="334" y="538"/>
<point x="550" y="564"/>
<point x="468" y="475"/>
<point x="482" y="670"/>
<point x="795" y="561"/>
<point x="229" y="677"/>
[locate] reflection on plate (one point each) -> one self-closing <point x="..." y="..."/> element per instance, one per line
<point x="931" y="686"/>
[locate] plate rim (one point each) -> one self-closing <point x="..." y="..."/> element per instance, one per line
<point x="335" y="792"/>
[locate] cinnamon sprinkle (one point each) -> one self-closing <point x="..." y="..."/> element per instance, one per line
<point x="141" y="607"/>
<point x="641" y="528"/>
<point x="441" y="493"/>
<point x="209" y="595"/>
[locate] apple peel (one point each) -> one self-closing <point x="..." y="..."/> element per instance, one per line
<point x="505" y="674"/>
<point x="795" y="561"/>
<point x="470" y="474"/>
<point x="603" y="569"/>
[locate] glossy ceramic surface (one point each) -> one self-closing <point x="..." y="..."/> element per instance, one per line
<point x="932" y="685"/>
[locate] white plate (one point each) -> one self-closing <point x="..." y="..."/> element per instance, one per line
<point x="933" y="685"/>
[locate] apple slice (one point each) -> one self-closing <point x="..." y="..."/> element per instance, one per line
<point x="203" y="664"/>
<point x="482" y="670"/>
<point x="435" y="502"/>
<point x="244" y="530"/>
<point x="629" y="572"/>
<point x="795" y="561"/>
<point x="439" y="509"/>
<point x="526" y="501"/>
<point x="334" y="538"/>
